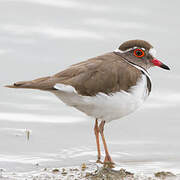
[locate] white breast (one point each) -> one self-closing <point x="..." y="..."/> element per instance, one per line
<point x="102" y="106"/>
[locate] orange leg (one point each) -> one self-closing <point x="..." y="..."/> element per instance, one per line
<point x="107" y="161"/>
<point x="96" y="132"/>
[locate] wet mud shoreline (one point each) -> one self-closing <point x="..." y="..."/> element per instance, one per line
<point x="89" y="171"/>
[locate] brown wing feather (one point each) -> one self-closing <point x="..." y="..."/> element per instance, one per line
<point x="107" y="73"/>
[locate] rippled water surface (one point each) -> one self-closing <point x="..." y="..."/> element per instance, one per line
<point x="41" y="37"/>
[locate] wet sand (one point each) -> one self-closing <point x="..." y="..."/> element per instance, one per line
<point x="86" y="171"/>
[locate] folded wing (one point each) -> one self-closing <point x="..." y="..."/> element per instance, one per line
<point x="107" y="74"/>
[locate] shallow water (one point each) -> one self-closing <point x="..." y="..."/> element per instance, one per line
<point x="39" y="38"/>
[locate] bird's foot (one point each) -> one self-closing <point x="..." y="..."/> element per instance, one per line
<point x="108" y="163"/>
<point x="99" y="161"/>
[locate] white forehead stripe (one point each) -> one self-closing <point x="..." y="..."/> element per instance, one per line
<point x="120" y="51"/>
<point x="152" y="51"/>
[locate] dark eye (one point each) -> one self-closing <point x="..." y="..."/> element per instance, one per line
<point x="138" y="52"/>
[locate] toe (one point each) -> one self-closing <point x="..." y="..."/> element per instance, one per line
<point x="109" y="164"/>
<point x="99" y="161"/>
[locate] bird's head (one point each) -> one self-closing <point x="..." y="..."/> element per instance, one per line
<point x="141" y="53"/>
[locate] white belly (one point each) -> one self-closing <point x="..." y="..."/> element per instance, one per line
<point x="102" y="106"/>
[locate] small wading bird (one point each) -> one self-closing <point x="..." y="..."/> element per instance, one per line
<point x="106" y="87"/>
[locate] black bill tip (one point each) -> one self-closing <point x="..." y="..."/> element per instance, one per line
<point x="164" y="67"/>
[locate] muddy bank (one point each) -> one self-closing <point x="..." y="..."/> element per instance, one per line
<point x="90" y="171"/>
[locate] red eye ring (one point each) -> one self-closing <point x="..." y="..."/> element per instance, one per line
<point x="138" y="52"/>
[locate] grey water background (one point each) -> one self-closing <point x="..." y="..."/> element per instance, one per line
<point x="42" y="37"/>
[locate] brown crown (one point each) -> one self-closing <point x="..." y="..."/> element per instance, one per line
<point x="135" y="43"/>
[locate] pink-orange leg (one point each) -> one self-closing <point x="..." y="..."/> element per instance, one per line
<point x="107" y="161"/>
<point x="96" y="132"/>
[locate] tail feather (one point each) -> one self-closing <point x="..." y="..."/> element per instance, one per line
<point x="17" y="84"/>
<point x="39" y="83"/>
